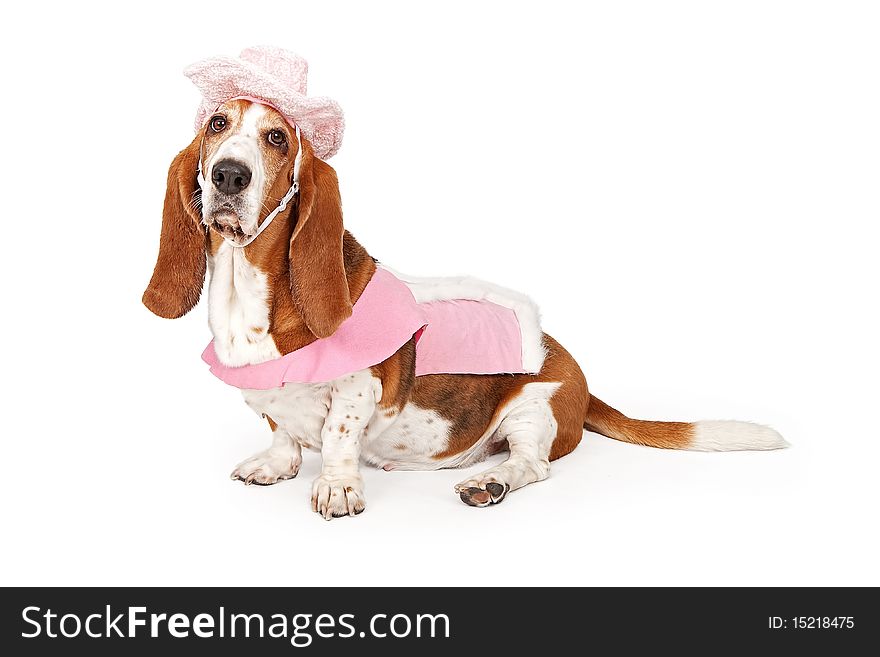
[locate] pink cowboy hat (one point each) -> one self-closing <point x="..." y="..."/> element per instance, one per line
<point x="276" y="77"/>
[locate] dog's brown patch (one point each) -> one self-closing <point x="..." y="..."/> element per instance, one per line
<point x="471" y="402"/>
<point x="397" y="374"/>
<point x="467" y="401"/>
<point x="569" y="402"/>
<point x="610" y="422"/>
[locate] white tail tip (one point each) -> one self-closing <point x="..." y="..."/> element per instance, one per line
<point x="731" y="435"/>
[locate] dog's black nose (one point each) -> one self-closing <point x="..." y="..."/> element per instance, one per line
<point x="230" y="177"/>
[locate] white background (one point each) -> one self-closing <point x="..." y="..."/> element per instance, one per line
<point x="688" y="189"/>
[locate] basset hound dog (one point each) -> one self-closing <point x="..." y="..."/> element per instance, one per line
<point x="299" y="282"/>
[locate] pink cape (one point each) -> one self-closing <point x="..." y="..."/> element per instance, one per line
<point x="454" y="336"/>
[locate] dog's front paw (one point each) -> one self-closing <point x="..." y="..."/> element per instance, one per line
<point x="268" y="467"/>
<point x="334" y="496"/>
<point x="482" y="491"/>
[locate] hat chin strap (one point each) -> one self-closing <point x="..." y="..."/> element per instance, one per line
<point x="282" y="205"/>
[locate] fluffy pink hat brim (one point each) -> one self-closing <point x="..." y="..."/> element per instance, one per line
<point x="221" y="78"/>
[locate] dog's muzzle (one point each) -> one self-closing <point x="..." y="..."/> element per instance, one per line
<point x="233" y="177"/>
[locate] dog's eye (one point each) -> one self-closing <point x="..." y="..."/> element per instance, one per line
<point x="218" y="123"/>
<point x="276" y="137"/>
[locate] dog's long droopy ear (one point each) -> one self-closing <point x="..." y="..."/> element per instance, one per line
<point x="317" y="273"/>
<point x="180" y="268"/>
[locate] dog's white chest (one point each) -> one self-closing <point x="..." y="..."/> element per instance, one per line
<point x="238" y="310"/>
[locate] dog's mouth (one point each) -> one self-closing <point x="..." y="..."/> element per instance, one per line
<point x="232" y="233"/>
<point x="226" y="222"/>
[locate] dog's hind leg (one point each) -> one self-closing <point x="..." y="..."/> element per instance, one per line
<point x="529" y="428"/>
<point x="281" y="461"/>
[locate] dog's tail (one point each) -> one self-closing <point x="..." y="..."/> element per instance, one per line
<point x="712" y="436"/>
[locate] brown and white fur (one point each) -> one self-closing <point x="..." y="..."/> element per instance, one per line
<point x="298" y="281"/>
